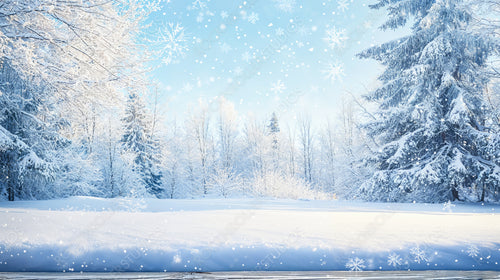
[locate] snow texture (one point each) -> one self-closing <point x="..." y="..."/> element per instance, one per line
<point x="103" y="235"/>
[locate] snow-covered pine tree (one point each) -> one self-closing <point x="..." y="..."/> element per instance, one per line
<point x="433" y="121"/>
<point x="273" y="130"/>
<point x="137" y="140"/>
<point x="28" y="137"/>
<point x="273" y="126"/>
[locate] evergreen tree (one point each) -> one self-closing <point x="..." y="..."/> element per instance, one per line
<point x="273" y="124"/>
<point x="138" y="140"/>
<point x="28" y="137"/>
<point x="433" y="123"/>
<point x="274" y="130"/>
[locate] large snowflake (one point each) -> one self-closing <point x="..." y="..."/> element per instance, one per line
<point x="334" y="71"/>
<point x="253" y="18"/>
<point x="336" y="37"/>
<point x="278" y="87"/>
<point x="172" y="42"/>
<point x="472" y="251"/>
<point x="418" y="254"/>
<point x="198" y="4"/>
<point x="355" y="264"/>
<point x="394" y="260"/>
<point x="343" y="5"/>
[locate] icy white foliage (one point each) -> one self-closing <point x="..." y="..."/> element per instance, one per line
<point x="273" y="184"/>
<point x="225" y="183"/>
<point x="448" y="206"/>
<point x="9" y="141"/>
<point x="31" y="161"/>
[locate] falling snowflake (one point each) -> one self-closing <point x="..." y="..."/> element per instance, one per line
<point x="285" y="5"/>
<point x="187" y="87"/>
<point x="238" y="71"/>
<point x="225" y="47"/>
<point x="224" y="14"/>
<point x="335" y="37"/>
<point x="368" y="24"/>
<point x="279" y="31"/>
<point x="447" y="206"/>
<point x="343" y="5"/>
<point x="355" y="264"/>
<point x="334" y="71"/>
<point x="418" y="254"/>
<point x="472" y="251"/>
<point x="253" y="18"/>
<point x="246" y="56"/>
<point x="394" y="260"/>
<point x="303" y="30"/>
<point x="200" y="17"/>
<point x="177" y="259"/>
<point x="172" y="42"/>
<point x="278" y="87"/>
<point x="198" y="4"/>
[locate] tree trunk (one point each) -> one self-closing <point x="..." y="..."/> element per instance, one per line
<point x="483" y="192"/>
<point x="10" y="185"/>
<point x="454" y="194"/>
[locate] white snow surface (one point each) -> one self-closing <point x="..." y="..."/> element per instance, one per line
<point x="96" y="234"/>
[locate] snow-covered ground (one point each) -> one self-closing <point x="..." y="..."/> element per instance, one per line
<point x="95" y="234"/>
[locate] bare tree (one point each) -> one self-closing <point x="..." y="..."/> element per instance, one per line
<point x="227" y="133"/>
<point x="175" y="154"/>
<point x="258" y="147"/>
<point x="200" y="129"/>
<point x="291" y="149"/>
<point x="328" y="153"/>
<point x="348" y="125"/>
<point x="306" y="141"/>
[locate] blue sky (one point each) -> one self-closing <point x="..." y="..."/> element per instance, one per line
<point x="285" y="56"/>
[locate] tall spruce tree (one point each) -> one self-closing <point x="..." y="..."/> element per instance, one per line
<point x="138" y="140"/>
<point x="29" y="140"/>
<point x="437" y="142"/>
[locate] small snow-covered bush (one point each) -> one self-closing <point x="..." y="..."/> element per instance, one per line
<point x="225" y="183"/>
<point x="277" y="185"/>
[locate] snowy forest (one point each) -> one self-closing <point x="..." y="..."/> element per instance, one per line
<point x="80" y="116"/>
